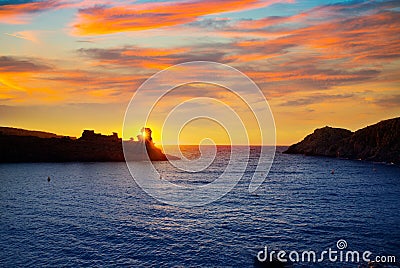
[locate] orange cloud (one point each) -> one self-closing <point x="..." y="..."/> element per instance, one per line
<point x="318" y="56"/>
<point x="106" y="20"/>
<point x="21" y="12"/>
<point x="39" y="81"/>
<point x="315" y="16"/>
<point x="16" y="13"/>
<point x="342" y="50"/>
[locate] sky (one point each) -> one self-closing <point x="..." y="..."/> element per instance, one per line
<point x="71" y="65"/>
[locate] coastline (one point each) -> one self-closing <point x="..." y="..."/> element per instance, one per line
<point x="90" y="147"/>
<point x="377" y="143"/>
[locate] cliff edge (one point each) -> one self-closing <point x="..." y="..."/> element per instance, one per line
<point x="17" y="145"/>
<point x="379" y="142"/>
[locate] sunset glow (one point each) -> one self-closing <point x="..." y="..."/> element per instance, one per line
<point x="66" y="66"/>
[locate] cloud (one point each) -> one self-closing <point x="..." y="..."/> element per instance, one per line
<point x="151" y="58"/>
<point x="41" y="81"/>
<point x="105" y="19"/>
<point x="337" y="12"/>
<point x="345" y="38"/>
<point x="17" y="12"/>
<point x="314" y="54"/>
<point x="316" y="98"/>
<point x="26" y="35"/>
<point x="85" y="41"/>
<point x="18" y="64"/>
<point x="20" y="12"/>
<point x="392" y="101"/>
<point x="210" y="24"/>
<point x="308" y="55"/>
<point x="290" y="71"/>
<point x="344" y="31"/>
<point x="310" y="77"/>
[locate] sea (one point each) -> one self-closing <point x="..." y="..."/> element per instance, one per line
<point x="96" y="215"/>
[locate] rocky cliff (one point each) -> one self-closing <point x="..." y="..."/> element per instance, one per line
<point x="27" y="146"/>
<point x="378" y="142"/>
<point x="10" y="131"/>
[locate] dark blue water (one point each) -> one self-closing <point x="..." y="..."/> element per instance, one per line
<point x="93" y="214"/>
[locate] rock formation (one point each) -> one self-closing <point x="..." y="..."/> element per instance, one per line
<point x="31" y="146"/>
<point x="144" y="144"/>
<point x="378" y="142"/>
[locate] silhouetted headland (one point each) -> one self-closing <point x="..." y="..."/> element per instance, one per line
<point x="379" y="142"/>
<point x="19" y="145"/>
